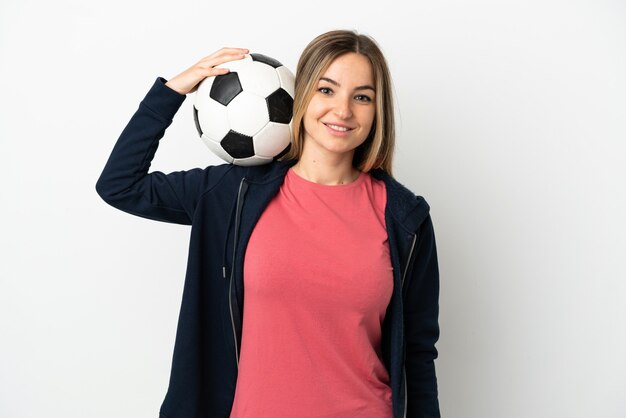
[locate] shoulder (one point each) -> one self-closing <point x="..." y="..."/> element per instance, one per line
<point x="232" y="174"/>
<point x="406" y="206"/>
<point x="267" y="172"/>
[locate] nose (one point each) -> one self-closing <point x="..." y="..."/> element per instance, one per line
<point x="342" y="107"/>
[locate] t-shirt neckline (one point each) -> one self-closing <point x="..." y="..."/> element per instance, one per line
<point x="311" y="184"/>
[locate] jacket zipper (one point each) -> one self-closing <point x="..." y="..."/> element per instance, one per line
<point x="408" y="261"/>
<point x="230" y="284"/>
<point x="405" y="391"/>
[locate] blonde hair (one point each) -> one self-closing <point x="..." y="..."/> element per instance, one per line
<point x="377" y="150"/>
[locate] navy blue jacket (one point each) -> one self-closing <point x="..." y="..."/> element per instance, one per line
<point x="222" y="204"/>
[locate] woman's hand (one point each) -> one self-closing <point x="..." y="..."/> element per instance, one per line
<point x="188" y="80"/>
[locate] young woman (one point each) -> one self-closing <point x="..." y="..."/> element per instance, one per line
<point x="336" y="259"/>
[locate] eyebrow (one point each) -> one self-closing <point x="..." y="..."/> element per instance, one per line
<point x="365" y="87"/>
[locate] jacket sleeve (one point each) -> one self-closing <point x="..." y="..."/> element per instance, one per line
<point x="422" y="326"/>
<point x="125" y="182"/>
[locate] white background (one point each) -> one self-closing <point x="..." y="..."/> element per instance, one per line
<point x="511" y="123"/>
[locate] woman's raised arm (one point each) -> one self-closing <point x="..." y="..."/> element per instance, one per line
<point x="125" y="182"/>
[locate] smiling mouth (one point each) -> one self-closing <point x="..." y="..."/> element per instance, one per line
<point x="338" y="128"/>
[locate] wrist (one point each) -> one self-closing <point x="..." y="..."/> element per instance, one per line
<point x="176" y="88"/>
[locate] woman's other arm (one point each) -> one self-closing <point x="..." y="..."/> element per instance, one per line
<point x="422" y="327"/>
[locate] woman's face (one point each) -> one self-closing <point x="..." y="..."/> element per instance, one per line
<point x="341" y="112"/>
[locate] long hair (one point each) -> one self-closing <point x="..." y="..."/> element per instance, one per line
<point x="378" y="148"/>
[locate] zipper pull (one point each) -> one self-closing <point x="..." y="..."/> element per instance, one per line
<point x="224" y="271"/>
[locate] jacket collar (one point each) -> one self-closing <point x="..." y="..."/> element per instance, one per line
<point x="404" y="206"/>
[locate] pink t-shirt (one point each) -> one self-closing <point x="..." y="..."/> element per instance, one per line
<point x="317" y="283"/>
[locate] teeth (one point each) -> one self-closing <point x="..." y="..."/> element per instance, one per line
<point x="338" y="128"/>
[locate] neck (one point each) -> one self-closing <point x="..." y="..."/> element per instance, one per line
<point x="326" y="172"/>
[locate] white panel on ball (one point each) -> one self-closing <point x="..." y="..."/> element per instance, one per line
<point x="213" y="118"/>
<point x="217" y="149"/>
<point x="255" y="160"/>
<point x="287" y="82"/>
<point x="272" y="139"/>
<point x="204" y="88"/>
<point x="247" y="113"/>
<point x="259" y="78"/>
<point x="236" y="65"/>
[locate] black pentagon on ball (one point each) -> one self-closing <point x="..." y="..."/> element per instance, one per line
<point x="238" y="145"/>
<point x="225" y="88"/>
<point x="266" y="60"/>
<point x="195" y="119"/>
<point x="280" y="106"/>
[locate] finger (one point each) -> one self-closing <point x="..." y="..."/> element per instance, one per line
<point x="224" y="51"/>
<point x="230" y="55"/>
<point x="234" y="49"/>
<point x="221" y="70"/>
<point x="214" y="61"/>
<point x="213" y="71"/>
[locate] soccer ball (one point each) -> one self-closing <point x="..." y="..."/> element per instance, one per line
<point x="244" y="116"/>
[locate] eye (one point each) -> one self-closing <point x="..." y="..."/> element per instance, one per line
<point x="364" y="98"/>
<point x="324" y="90"/>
